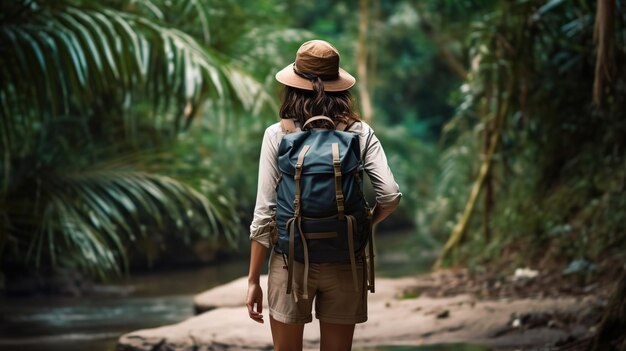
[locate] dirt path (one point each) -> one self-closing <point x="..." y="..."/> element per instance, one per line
<point x="400" y="312"/>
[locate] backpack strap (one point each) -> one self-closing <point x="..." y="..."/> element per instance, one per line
<point x="345" y="126"/>
<point x="305" y="283"/>
<point x="351" y="230"/>
<point x="291" y="223"/>
<point x="296" y="177"/>
<point x="341" y="126"/>
<point x="351" y="220"/>
<point x="338" y="183"/>
<point x="288" y="125"/>
<point x="369" y="267"/>
<point x="370" y="245"/>
<point x="318" y="118"/>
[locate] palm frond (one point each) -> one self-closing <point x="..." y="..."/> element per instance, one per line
<point x="96" y="215"/>
<point x="72" y="56"/>
<point x="61" y="62"/>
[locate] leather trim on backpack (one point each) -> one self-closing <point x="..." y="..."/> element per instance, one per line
<point x="288" y="125"/>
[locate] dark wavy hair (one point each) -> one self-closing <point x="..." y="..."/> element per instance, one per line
<point x="301" y="104"/>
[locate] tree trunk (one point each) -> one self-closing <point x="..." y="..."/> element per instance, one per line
<point x="372" y="61"/>
<point x="488" y="194"/>
<point x="611" y="334"/>
<point x="604" y="37"/>
<point x="489" y="129"/>
<point x="460" y="228"/>
<point x="362" y="54"/>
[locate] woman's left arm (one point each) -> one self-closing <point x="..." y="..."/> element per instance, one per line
<point x="266" y="188"/>
<point x="261" y="224"/>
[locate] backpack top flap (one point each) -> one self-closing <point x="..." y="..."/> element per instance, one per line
<point x="319" y="158"/>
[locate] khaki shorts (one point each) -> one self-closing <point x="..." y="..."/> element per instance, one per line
<point x="330" y="285"/>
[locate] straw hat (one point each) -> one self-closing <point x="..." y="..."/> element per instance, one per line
<point x="316" y="58"/>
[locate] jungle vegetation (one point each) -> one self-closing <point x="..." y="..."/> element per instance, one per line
<point x="130" y="129"/>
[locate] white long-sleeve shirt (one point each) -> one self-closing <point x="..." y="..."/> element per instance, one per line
<point x="374" y="162"/>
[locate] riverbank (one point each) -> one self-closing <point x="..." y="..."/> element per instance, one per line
<point x="94" y="321"/>
<point x="427" y="309"/>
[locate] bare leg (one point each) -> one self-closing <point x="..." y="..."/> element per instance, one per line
<point x="286" y="337"/>
<point x="336" y="337"/>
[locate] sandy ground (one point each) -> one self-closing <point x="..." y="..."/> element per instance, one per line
<point x="398" y="315"/>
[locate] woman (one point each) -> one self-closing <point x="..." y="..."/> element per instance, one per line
<point x="314" y="85"/>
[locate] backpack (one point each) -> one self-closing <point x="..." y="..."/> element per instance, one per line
<point x="321" y="213"/>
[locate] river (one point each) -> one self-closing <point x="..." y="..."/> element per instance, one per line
<point x="95" y="323"/>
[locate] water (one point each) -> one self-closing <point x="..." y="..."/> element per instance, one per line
<point x="396" y="255"/>
<point x="95" y="323"/>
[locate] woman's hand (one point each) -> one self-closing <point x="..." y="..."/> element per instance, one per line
<point x="255" y="296"/>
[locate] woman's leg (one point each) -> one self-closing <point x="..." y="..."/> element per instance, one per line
<point x="286" y="337"/>
<point x="336" y="337"/>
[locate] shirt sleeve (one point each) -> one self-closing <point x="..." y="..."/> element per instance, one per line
<point x="266" y="190"/>
<point x="375" y="164"/>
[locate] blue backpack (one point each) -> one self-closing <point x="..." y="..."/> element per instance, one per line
<point x="321" y="213"/>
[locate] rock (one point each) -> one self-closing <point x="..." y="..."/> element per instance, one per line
<point x="392" y="320"/>
<point x="231" y="294"/>
<point x="222" y="328"/>
<point x="443" y="314"/>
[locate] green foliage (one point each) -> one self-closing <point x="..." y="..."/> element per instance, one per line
<point x="82" y="54"/>
<point x="98" y="212"/>
<point x="96" y="101"/>
<point x="409" y="295"/>
<point x="407" y="78"/>
<point x="411" y="80"/>
<point x="558" y="175"/>
<point x="128" y="124"/>
<point x="415" y="168"/>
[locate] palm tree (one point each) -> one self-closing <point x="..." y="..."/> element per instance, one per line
<point x="92" y="95"/>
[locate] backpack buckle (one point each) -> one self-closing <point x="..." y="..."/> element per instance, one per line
<point x="296" y="207"/>
<point x="298" y="171"/>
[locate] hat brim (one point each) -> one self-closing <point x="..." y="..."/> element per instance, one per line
<point x="288" y="77"/>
